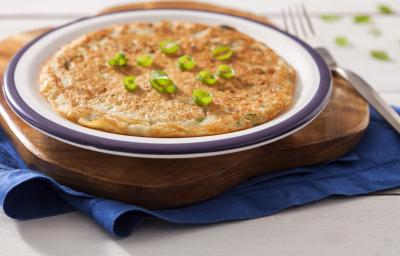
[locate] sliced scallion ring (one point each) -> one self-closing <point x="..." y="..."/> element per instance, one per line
<point x="119" y="60"/>
<point x="222" y="52"/>
<point x="160" y="81"/>
<point x="225" y="71"/>
<point x="130" y="83"/>
<point x="201" y="97"/>
<point x="169" y="47"/>
<point x="144" y="60"/>
<point x="186" y="62"/>
<point x="206" y="77"/>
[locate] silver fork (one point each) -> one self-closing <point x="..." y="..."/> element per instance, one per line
<point x="297" y="21"/>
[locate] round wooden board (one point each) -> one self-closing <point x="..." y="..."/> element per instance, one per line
<point x="174" y="182"/>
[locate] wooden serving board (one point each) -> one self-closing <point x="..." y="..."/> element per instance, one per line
<point x="174" y="182"/>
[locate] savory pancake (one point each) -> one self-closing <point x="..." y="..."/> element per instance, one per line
<point x="99" y="82"/>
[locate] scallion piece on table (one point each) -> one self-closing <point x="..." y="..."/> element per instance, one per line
<point x="144" y="60"/>
<point x="186" y="62"/>
<point x="384" y="9"/>
<point x="119" y="60"/>
<point x="375" y="32"/>
<point x="201" y="97"/>
<point x="206" y="77"/>
<point x="341" y="41"/>
<point x="222" y="52"/>
<point x="160" y="81"/>
<point x="225" y="71"/>
<point x="362" y="19"/>
<point x="330" y="17"/>
<point x="169" y="47"/>
<point x="380" y="55"/>
<point x="130" y="83"/>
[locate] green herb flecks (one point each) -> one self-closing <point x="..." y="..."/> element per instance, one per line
<point x="384" y="9"/>
<point x="130" y="83"/>
<point x="186" y="62"/>
<point x="206" y="77"/>
<point x="342" y="41"/>
<point x="225" y="71"/>
<point x="201" y="97"/>
<point x="144" y="60"/>
<point x="375" y="32"/>
<point x="222" y="52"/>
<point x="169" y="47"/>
<point x="119" y="60"/>
<point x="362" y="19"/>
<point x="380" y="55"/>
<point x="330" y="17"/>
<point x="200" y="119"/>
<point x="160" y="81"/>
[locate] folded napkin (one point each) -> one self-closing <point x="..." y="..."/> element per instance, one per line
<point x="373" y="165"/>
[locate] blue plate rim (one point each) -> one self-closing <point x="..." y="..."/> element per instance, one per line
<point x="305" y="115"/>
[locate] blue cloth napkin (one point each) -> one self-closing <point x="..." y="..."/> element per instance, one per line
<point x="373" y="165"/>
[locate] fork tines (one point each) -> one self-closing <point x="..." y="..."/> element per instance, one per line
<point x="296" y="20"/>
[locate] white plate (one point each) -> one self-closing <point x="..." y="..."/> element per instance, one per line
<point x="22" y="89"/>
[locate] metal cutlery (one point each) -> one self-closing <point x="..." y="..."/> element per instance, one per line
<point x="297" y="21"/>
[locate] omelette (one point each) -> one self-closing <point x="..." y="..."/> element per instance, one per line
<point x="167" y="79"/>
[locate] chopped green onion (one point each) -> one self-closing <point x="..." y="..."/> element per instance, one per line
<point x="330" y="17"/>
<point x="362" y="19"/>
<point x="341" y="41"/>
<point x="200" y="119"/>
<point x="160" y="81"/>
<point x="119" y="60"/>
<point x="206" y="77"/>
<point x="144" y="60"/>
<point x="380" y="55"/>
<point x="375" y="32"/>
<point x="169" y="46"/>
<point x="222" y="52"/>
<point x="130" y="83"/>
<point x="225" y="71"/>
<point x="384" y="9"/>
<point x="250" y="117"/>
<point x="186" y="62"/>
<point x="201" y="97"/>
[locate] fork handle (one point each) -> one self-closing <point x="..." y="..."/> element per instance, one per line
<point x="371" y="96"/>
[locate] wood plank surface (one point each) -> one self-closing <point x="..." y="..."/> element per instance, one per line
<point x="344" y="7"/>
<point x="365" y="226"/>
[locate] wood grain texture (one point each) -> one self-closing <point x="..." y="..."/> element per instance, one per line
<point x="174" y="182"/>
<point x="334" y="227"/>
<point x="184" y="5"/>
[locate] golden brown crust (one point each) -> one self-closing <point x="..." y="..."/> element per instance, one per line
<point x="81" y="86"/>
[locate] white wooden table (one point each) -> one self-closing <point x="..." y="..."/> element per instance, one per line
<point x="368" y="225"/>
